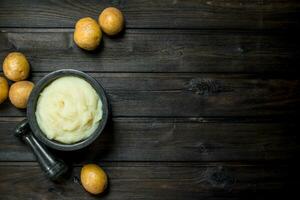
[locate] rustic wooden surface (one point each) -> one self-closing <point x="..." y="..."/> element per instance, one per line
<point x="205" y="98"/>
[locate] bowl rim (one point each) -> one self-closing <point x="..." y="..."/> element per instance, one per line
<point x="33" y="99"/>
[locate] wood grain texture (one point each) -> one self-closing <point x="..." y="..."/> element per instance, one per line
<point x="154" y="181"/>
<point x="229" y="14"/>
<point x="135" y="139"/>
<point x="192" y="95"/>
<point x="159" y="51"/>
<point x="204" y="94"/>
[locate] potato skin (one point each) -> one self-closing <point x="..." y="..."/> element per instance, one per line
<point x="87" y="34"/>
<point x="111" y="21"/>
<point x="3" y="89"/>
<point x="93" y="178"/>
<point x="16" y="67"/>
<point x="19" y="93"/>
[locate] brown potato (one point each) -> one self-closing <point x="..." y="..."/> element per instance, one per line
<point x="3" y="89"/>
<point x="16" y="66"/>
<point x="111" y="21"/>
<point x="93" y="178"/>
<point x="87" y="34"/>
<point x="19" y="93"/>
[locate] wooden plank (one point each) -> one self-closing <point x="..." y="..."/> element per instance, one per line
<point x="154" y="181"/>
<point x="229" y="14"/>
<point x="158" y="51"/>
<point x="135" y="139"/>
<point x="192" y="95"/>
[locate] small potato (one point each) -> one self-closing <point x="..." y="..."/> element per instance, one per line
<point x="111" y="21"/>
<point x="16" y="66"/>
<point x="93" y="178"/>
<point x="3" y="89"/>
<point x="87" y="34"/>
<point x="19" y="93"/>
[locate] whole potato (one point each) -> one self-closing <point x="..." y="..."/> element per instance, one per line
<point x="3" y="89"/>
<point x="93" y="178"/>
<point x="19" y="93"/>
<point x="87" y="34"/>
<point x="16" y="66"/>
<point x="111" y="21"/>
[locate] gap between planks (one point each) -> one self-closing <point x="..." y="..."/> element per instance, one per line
<point x="160" y="163"/>
<point x="204" y="119"/>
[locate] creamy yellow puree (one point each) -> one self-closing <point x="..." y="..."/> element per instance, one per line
<point x="68" y="110"/>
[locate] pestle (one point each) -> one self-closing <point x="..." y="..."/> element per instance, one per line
<point x="52" y="166"/>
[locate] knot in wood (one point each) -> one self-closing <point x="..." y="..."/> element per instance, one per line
<point x="204" y="86"/>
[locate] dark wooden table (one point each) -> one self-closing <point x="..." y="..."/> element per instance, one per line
<point x="205" y="97"/>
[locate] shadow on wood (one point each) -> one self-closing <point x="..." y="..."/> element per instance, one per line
<point x="93" y="152"/>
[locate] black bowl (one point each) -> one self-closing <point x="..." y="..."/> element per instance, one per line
<point x="32" y="102"/>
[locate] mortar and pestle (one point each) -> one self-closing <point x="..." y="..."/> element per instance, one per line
<point x="29" y="131"/>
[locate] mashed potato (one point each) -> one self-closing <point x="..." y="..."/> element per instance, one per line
<point x="68" y="110"/>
